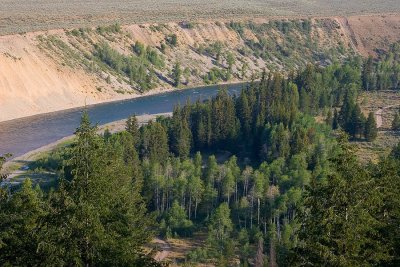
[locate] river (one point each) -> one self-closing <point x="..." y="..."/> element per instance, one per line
<point x="26" y="134"/>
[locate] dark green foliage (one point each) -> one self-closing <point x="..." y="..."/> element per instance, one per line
<point x="176" y="74"/>
<point x="95" y="217"/>
<point x="342" y="219"/>
<point x="370" y="129"/>
<point x="396" y="122"/>
<point x="19" y="231"/>
<point x="132" y="127"/>
<point x="351" y="119"/>
<point x="154" y="144"/>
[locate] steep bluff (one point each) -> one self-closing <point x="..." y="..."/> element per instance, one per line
<point x="54" y="70"/>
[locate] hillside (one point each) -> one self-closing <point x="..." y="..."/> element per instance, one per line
<point x="58" y="69"/>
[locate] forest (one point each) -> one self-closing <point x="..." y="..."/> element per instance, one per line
<point x="256" y="172"/>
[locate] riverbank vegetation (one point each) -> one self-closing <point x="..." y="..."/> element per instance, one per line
<point x="256" y="173"/>
<point x="141" y="58"/>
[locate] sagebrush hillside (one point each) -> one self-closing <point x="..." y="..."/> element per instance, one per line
<point x="58" y="69"/>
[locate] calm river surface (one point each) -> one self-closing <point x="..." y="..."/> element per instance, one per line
<point x="23" y="135"/>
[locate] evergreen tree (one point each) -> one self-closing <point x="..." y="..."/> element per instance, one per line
<point x="370" y="129"/>
<point x="368" y="75"/>
<point x="396" y="122"/>
<point x="132" y="127"/>
<point x="176" y="74"/>
<point x="180" y="135"/>
<point x="154" y="142"/>
<point x="19" y="226"/>
<point x="335" y="121"/>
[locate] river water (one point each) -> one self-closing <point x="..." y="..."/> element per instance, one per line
<point x="26" y="134"/>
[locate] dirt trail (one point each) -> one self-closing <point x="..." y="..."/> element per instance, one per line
<point x="379" y="113"/>
<point x="166" y="249"/>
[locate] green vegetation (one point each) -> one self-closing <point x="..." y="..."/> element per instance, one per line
<point x="139" y="70"/>
<point x="293" y="51"/>
<point x="385" y="73"/>
<point x="176" y="74"/>
<point x="255" y="172"/>
<point x="172" y="40"/>
<point x="95" y="216"/>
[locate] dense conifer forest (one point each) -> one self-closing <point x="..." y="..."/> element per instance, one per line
<point x="256" y="172"/>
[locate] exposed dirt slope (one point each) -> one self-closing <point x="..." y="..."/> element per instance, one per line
<point x="49" y="71"/>
<point x="369" y="34"/>
<point x="31" y="82"/>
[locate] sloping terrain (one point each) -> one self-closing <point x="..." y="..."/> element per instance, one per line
<point x="370" y="34"/>
<point x="58" y="69"/>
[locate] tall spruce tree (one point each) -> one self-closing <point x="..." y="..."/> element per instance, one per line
<point x="370" y="129"/>
<point x="98" y="218"/>
<point x="396" y="122"/>
<point x="20" y="214"/>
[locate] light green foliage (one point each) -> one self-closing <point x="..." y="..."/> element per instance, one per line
<point x="177" y="220"/>
<point x="220" y="229"/>
<point x="138" y="69"/>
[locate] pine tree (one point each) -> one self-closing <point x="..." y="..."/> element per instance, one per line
<point x="154" y="142"/>
<point x="396" y="122"/>
<point x="180" y="134"/>
<point x="335" y="121"/>
<point x="132" y="127"/>
<point x="19" y="224"/>
<point x="370" y="129"/>
<point x="3" y="176"/>
<point x="176" y="74"/>
<point x="368" y="75"/>
<point x="356" y="123"/>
